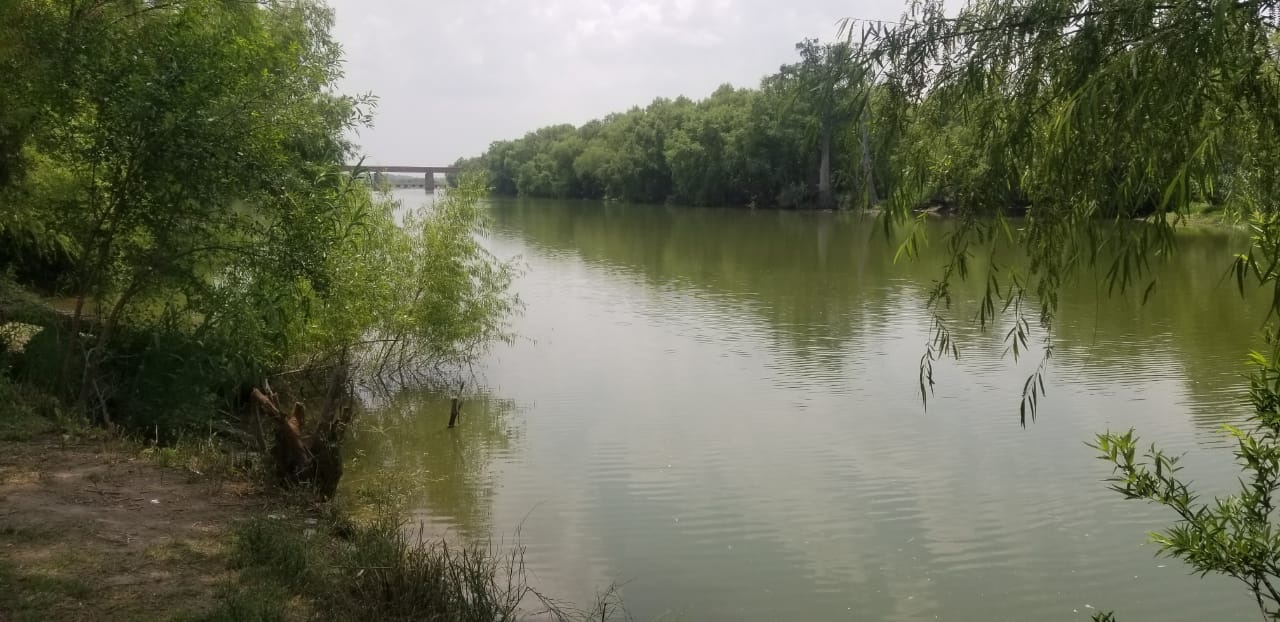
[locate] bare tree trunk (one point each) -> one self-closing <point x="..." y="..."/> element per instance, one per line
<point x="868" y="172"/>
<point x="825" y="198"/>
<point x="313" y="460"/>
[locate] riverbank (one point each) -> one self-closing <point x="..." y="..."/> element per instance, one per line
<point x="103" y="528"/>
<point x="91" y="530"/>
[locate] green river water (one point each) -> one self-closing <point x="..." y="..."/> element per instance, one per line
<point x="719" y="410"/>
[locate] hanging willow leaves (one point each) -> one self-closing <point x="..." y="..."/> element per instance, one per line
<point x="1107" y="122"/>
<point x="1100" y="123"/>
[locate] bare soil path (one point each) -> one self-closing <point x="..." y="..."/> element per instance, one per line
<point x="93" y="532"/>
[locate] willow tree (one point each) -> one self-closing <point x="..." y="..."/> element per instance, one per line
<point x="1107" y="121"/>
<point x="1087" y="115"/>
<point x="832" y="81"/>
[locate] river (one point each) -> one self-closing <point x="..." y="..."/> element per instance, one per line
<point x="719" y="410"/>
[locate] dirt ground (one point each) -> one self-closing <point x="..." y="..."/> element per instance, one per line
<point x="94" y="532"/>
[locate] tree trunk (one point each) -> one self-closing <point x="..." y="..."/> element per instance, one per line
<point x="868" y="172"/>
<point x="825" y="198"/>
<point x="313" y="460"/>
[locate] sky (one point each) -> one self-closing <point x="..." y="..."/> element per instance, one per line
<point x="452" y="76"/>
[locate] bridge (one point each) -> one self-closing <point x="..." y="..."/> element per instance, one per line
<point x="377" y="173"/>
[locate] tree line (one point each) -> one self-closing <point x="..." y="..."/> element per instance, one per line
<point x="856" y="123"/>
<point x="794" y="141"/>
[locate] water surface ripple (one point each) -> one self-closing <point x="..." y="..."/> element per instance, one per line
<point x="720" y="410"/>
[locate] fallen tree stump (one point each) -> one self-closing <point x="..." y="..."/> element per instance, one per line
<point x="307" y="460"/>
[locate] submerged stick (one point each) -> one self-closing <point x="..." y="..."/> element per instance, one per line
<point x="455" y="409"/>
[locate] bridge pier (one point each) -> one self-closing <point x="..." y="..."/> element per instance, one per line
<point x="378" y="173"/>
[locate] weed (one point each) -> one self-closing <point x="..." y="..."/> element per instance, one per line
<point x="28" y="411"/>
<point x="250" y="604"/>
<point x="400" y="578"/>
<point x="24" y="411"/>
<point x="210" y="459"/>
<point x="272" y="548"/>
<point x="378" y="571"/>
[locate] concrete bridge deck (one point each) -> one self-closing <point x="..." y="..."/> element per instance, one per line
<point x="430" y="170"/>
<point x="428" y="174"/>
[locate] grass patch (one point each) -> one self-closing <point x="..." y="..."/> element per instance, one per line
<point x="291" y="567"/>
<point x="268" y="603"/>
<point x="273" y="549"/>
<point x="28" y="412"/>
<point x="23" y="425"/>
<point x="26" y="535"/>
<point x="210" y="459"/>
<point x="34" y="596"/>
<point x="25" y="413"/>
<point x="186" y="553"/>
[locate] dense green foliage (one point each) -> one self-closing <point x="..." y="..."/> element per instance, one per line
<point x="1083" y="115"/>
<point x="1090" y="115"/>
<point x="171" y="170"/>
<point x="793" y="141"/>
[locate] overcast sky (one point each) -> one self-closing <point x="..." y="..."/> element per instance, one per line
<point x="454" y="75"/>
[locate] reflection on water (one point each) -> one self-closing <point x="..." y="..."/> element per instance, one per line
<point x="719" y="408"/>
<point x="448" y="469"/>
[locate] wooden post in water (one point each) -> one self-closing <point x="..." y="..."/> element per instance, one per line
<point x="455" y="409"/>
